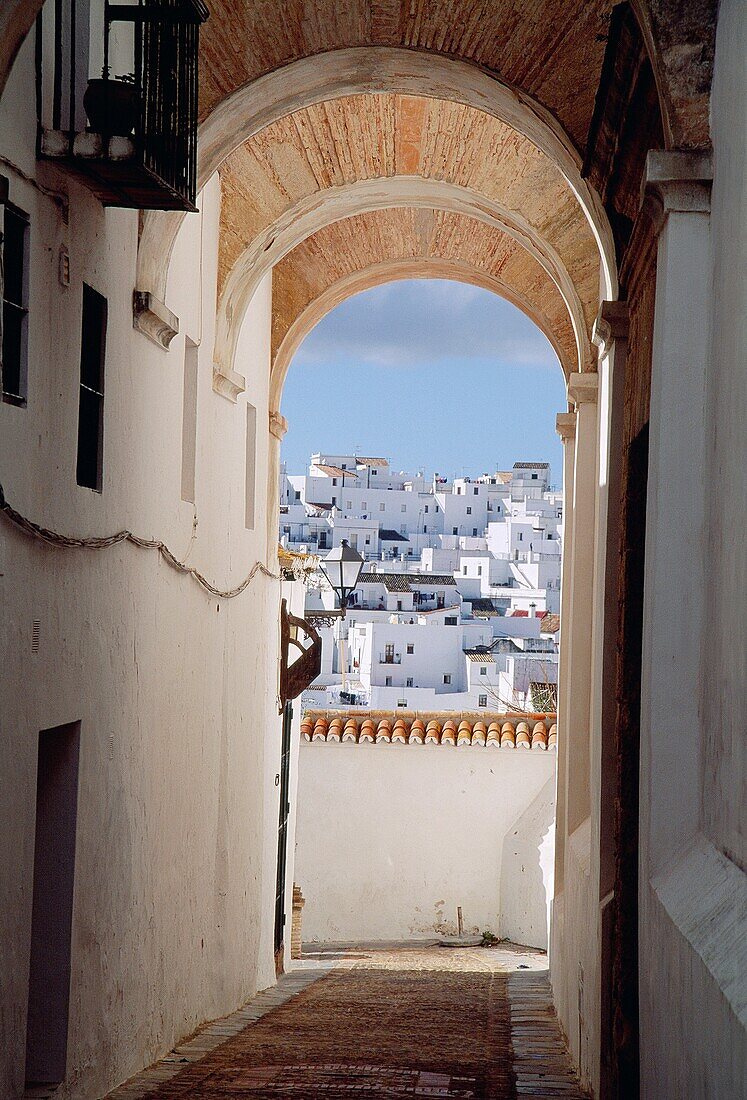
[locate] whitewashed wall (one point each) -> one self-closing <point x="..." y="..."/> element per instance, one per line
<point x="174" y="690"/>
<point x="392" y="838"/>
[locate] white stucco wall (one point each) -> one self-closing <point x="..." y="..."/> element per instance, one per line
<point x="694" y="900"/>
<point x="392" y="838"/>
<point x="180" y="740"/>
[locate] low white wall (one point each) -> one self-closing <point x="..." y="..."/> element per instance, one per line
<point x="392" y="838"/>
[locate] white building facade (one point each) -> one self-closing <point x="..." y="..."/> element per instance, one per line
<point x="456" y="606"/>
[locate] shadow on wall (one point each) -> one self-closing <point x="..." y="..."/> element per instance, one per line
<point x="527" y="872"/>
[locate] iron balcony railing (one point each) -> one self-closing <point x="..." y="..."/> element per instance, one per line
<point x="117" y="97"/>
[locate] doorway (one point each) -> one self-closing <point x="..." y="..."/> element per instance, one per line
<point x="52" y="904"/>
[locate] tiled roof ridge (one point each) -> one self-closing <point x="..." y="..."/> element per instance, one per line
<point x="507" y="731"/>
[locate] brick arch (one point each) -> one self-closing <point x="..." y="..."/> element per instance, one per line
<point x="360" y="71"/>
<point x="402" y="244"/>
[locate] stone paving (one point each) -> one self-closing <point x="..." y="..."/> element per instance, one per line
<point x="423" y="1021"/>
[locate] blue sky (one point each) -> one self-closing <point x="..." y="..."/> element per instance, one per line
<point x="430" y="374"/>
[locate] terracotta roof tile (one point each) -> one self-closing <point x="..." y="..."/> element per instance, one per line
<point x="335" y="471"/>
<point x="371" y="461"/>
<point x="532" y="731"/>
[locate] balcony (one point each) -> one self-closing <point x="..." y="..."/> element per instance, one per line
<point x="130" y="138"/>
<point x="390" y="658"/>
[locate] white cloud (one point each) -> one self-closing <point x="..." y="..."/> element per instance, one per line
<point x="414" y="322"/>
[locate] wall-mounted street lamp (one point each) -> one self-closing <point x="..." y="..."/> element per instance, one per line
<point x="342" y="568"/>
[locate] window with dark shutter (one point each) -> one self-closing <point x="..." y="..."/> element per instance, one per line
<point x="90" y="466"/>
<point x="15" y="291"/>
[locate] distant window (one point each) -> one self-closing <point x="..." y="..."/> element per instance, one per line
<point x="534" y="477"/>
<point x="89" y="472"/>
<point x="464" y="570"/>
<point x="350" y="504"/>
<point x="409" y="682"/>
<point x="455" y="530"/>
<point x="286" y="530"/>
<point x="334" y="500"/>
<point x="479" y="570"/>
<point x="474" y="531"/>
<point x="364" y="505"/>
<point x="450" y="620"/>
<point x="426" y="509"/>
<point x="382" y="507"/>
<point x="483" y="670"/>
<point x="447" y="677"/>
<point x="334" y="480"/>
<point x="475" y="491"/>
<point x="14" y="272"/>
<point x="403" y="702"/>
<point x="374" y="473"/>
<point x="403" y="507"/>
<point x="410" y="648"/>
<point x="399" y="605"/>
<point x="298" y="494"/>
<point x="482" y="701"/>
<point x="368" y="542"/>
<point x="469" y="511"/>
<point x="521" y="536"/>
<point x="387" y="681"/>
<point x="344" y="466"/>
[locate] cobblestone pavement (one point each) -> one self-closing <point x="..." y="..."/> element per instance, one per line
<point x="412" y="1021"/>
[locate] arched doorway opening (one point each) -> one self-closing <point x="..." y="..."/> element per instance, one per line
<point x="402" y="853"/>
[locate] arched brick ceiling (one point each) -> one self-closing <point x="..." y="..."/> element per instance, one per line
<point x="552" y="51"/>
<point x="367" y="249"/>
<point x="301" y="173"/>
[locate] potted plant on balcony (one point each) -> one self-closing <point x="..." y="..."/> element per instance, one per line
<point x="111" y="104"/>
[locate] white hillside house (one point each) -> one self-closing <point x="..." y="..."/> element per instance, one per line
<point x="457" y="606"/>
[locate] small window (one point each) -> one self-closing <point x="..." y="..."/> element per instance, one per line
<point x="483" y="670"/>
<point x="364" y="505"/>
<point x="382" y="507"/>
<point x="14" y="265"/>
<point x="521" y="536"/>
<point x="350" y="504"/>
<point x="426" y="509"/>
<point x="450" y="620"/>
<point x="455" y="530"/>
<point x="482" y="701"/>
<point x="403" y="507"/>
<point x="409" y="682"/>
<point x="534" y="477"/>
<point x="89" y="471"/>
<point x="334" y="501"/>
<point x="401" y="702"/>
<point x="475" y="490"/>
<point x="410" y="648"/>
<point x="344" y="466"/>
<point x="298" y="494"/>
<point x="479" y="570"/>
<point x="368" y="542"/>
<point x="334" y="480"/>
<point x="387" y="681"/>
<point x="464" y="570"/>
<point x="469" y="511"/>
<point x="447" y="677"/>
<point x="374" y="472"/>
<point x="474" y="532"/>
